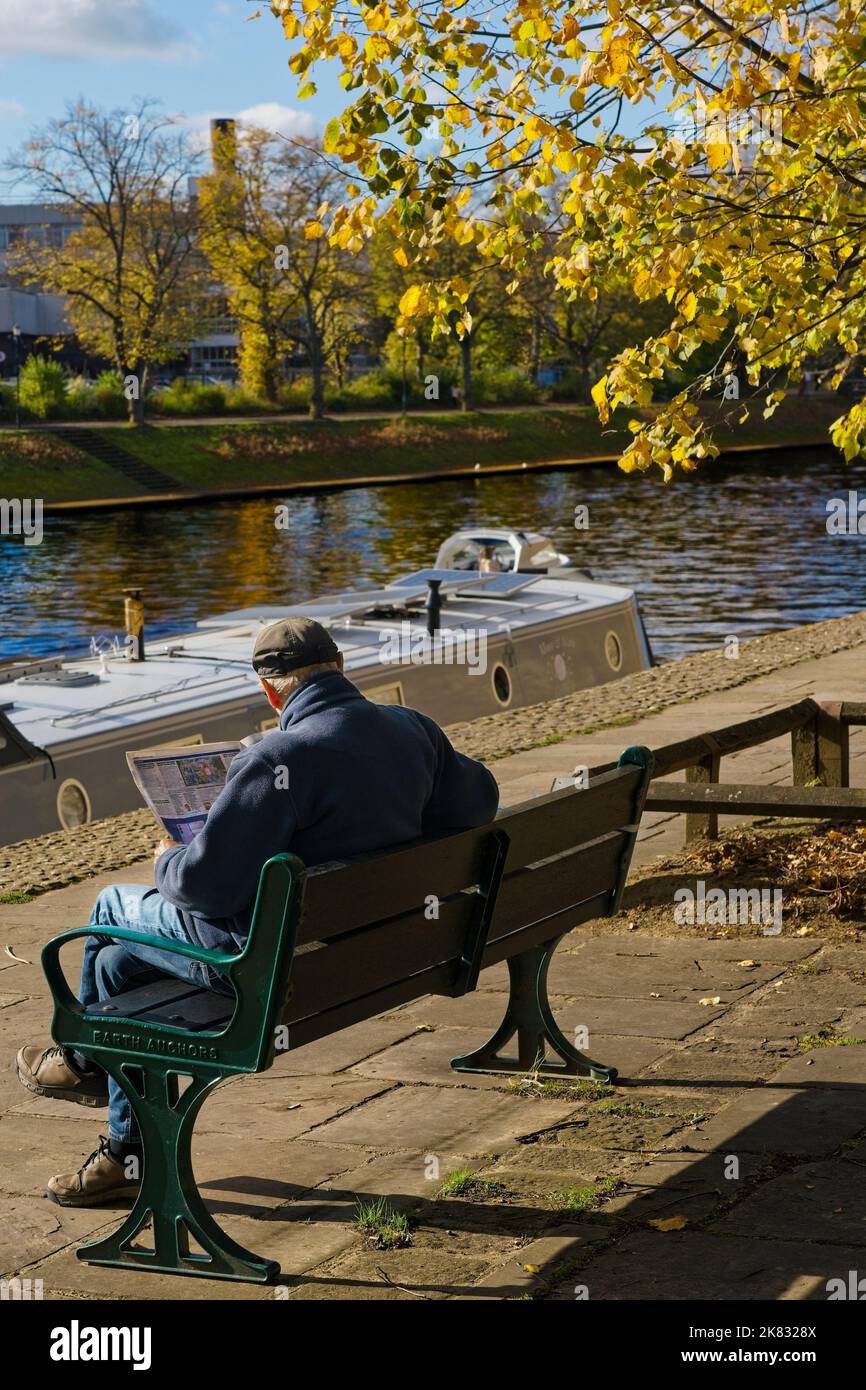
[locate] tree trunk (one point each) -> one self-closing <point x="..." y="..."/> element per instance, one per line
<point x="585" y="386"/>
<point x="535" y="350"/>
<point x="270" y="384"/>
<point x="466" y="401"/>
<point x="317" y="395"/>
<point x="135" y="381"/>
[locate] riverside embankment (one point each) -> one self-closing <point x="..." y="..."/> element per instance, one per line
<point x="180" y="461"/>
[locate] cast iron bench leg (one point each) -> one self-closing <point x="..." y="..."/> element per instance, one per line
<point x="169" y="1196"/>
<point x="528" y="1015"/>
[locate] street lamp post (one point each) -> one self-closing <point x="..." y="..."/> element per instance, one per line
<point x="16" y="338"/>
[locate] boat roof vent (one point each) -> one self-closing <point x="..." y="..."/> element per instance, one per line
<point x="61" y="678"/>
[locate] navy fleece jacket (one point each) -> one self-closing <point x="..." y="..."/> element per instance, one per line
<point x="342" y="777"/>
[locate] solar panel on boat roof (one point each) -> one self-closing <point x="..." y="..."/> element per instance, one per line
<point x="447" y="577"/>
<point x="336" y="606"/>
<point x="503" y="585"/>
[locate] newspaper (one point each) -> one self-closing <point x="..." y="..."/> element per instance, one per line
<point x="181" y="784"/>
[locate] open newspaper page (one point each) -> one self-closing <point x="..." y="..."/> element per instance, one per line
<point x="181" y="784"/>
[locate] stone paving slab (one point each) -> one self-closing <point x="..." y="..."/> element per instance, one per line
<point x="349" y="1047"/>
<point x="684" y="1184"/>
<point x="364" y="1275"/>
<point x="298" y="1246"/>
<point x="829" y="1200"/>
<point x="622" y="1017"/>
<point x="418" y="1119"/>
<point x="427" y="1056"/>
<point x="660" y="949"/>
<point x="263" y="1179"/>
<point x="681" y="979"/>
<point x="827" y="1066"/>
<point x="794" y="1009"/>
<point x="783" y="1120"/>
<point x="534" y="1265"/>
<point x="727" y="1066"/>
<point x="695" y="1265"/>
<point x="34" y="1228"/>
<point x="280" y="1108"/>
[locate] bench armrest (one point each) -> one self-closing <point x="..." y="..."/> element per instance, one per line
<point x="57" y="982"/>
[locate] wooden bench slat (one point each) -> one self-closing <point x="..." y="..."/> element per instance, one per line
<point x="842" y="803"/>
<point x="139" y="1002"/>
<point x="339" y="898"/>
<point x="366" y="961"/>
<point x="438" y="979"/>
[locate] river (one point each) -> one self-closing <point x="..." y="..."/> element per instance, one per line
<point x="739" y="548"/>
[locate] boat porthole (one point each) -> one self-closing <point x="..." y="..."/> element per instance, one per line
<point x="613" y="651"/>
<point x="502" y="685"/>
<point x="73" y="805"/>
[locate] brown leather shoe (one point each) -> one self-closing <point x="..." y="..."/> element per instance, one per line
<point x="46" y="1072"/>
<point x="101" y="1179"/>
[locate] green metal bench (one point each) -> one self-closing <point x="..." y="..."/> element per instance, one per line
<point x="337" y="944"/>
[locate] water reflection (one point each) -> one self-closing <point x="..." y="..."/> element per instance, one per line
<point x="740" y="548"/>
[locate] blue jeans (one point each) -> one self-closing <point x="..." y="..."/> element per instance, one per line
<point x="111" y="967"/>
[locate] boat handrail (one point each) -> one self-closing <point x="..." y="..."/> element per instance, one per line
<point x="188" y="683"/>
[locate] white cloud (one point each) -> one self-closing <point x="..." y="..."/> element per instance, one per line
<point x="267" y="115"/>
<point x="119" y="29"/>
<point x="11" y="108"/>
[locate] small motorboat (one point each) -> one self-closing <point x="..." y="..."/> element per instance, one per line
<point x="501" y="621"/>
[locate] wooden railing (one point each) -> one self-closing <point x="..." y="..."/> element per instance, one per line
<point x="819" y="759"/>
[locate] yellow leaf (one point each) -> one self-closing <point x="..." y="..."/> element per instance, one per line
<point x="710" y="1001"/>
<point x="688" y="306"/>
<point x="718" y="154"/>
<point x="532" y="1269"/>
<point x="411" y="301"/>
<point x="313" y="231"/>
<point x="599" y="397"/>
<point x="669" y="1223"/>
<point x="400" y="257"/>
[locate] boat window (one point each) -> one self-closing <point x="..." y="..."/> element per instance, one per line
<point x="466" y="558"/>
<point x="502" y="685"/>
<point x="73" y="805"/>
<point x="469" y="556"/>
<point x="613" y="651"/>
<point x="544" y="557"/>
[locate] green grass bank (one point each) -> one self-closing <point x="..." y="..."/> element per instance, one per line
<point x="228" y="456"/>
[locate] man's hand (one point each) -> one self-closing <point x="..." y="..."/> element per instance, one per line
<point x="165" y="843"/>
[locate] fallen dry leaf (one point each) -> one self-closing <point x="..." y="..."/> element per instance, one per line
<point x="710" y="1000"/>
<point x="669" y="1223"/>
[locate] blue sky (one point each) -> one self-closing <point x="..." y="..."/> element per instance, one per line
<point x="199" y="57"/>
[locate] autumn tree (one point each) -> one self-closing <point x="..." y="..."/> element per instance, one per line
<point x="130" y="276"/>
<point x="738" y="199"/>
<point x="289" y="287"/>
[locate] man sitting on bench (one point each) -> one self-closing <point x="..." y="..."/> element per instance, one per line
<point x="341" y="778"/>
